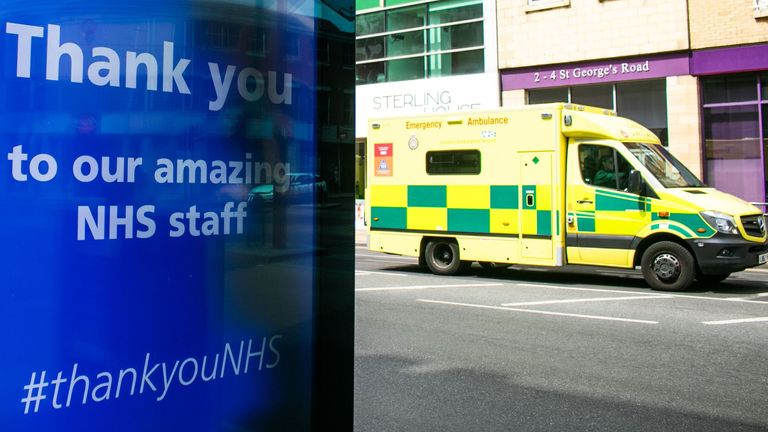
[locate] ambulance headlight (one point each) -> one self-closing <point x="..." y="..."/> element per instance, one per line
<point x="721" y="222"/>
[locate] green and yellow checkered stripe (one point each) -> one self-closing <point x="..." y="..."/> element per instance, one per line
<point x="688" y="225"/>
<point x="467" y="209"/>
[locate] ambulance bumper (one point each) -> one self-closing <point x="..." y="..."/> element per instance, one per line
<point x="727" y="254"/>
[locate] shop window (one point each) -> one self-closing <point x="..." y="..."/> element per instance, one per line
<point x="727" y="89"/>
<point x="370" y="73"/>
<point x="599" y="95"/>
<point x="257" y="42"/>
<point x="293" y="46"/>
<point x="732" y="146"/>
<point x="454" y="10"/>
<point x="369" y="24"/>
<point x="324" y="107"/>
<point x="765" y="160"/>
<point x="764" y="88"/>
<point x="349" y="108"/>
<point x="455" y="37"/>
<point x="405" y="43"/>
<point x="323" y="52"/>
<point x="221" y="36"/>
<point x="349" y="55"/>
<point x="761" y="8"/>
<point x="457" y="63"/>
<point x="367" y="4"/>
<point x="369" y="49"/>
<point x="642" y="101"/>
<point x="453" y="162"/>
<point x="646" y="103"/>
<point x="406" y="18"/>
<point x="406" y="69"/>
<point x="447" y="36"/>
<point x="548" y="95"/>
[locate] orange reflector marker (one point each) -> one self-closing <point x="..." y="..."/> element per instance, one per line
<point x="376" y="219"/>
<point x="663" y="214"/>
<point x="701" y="230"/>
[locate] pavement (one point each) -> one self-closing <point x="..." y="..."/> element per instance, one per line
<point x="361" y="237"/>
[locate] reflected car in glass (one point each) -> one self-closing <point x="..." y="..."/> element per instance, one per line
<point x="301" y="188"/>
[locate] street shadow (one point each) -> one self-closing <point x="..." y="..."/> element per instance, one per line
<point x="399" y="394"/>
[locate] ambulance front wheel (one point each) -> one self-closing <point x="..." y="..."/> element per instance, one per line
<point x="668" y="266"/>
<point x="442" y="257"/>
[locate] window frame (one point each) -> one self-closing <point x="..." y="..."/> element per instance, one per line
<point x="426" y="30"/>
<point x="538" y="5"/>
<point x="476" y="171"/>
<point x="761" y="8"/>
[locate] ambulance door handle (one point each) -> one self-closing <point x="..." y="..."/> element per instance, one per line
<point x="529" y="199"/>
<point x="585" y="201"/>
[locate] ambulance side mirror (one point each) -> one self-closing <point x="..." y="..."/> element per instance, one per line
<point x="635" y="183"/>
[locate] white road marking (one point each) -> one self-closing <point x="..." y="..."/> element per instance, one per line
<point x="380" y="258"/>
<point x="366" y="272"/>
<point x="755" y="269"/>
<point x="615" y="273"/>
<point x="599" y="299"/>
<point x="582" y="289"/>
<point x="736" y="321"/>
<point x="421" y="287"/>
<point x="729" y="299"/>
<point x="752" y="296"/>
<point x="533" y="311"/>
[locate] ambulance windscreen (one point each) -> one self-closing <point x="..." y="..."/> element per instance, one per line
<point x="669" y="171"/>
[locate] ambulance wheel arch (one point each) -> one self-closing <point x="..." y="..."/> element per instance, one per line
<point x="442" y="256"/>
<point x="666" y="262"/>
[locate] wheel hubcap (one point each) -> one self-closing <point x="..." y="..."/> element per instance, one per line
<point x="443" y="255"/>
<point x="666" y="266"/>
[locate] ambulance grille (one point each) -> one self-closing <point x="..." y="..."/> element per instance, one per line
<point x="754" y="225"/>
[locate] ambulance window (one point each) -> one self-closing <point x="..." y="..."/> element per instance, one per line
<point x="604" y="167"/>
<point x="588" y="158"/>
<point x="453" y="162"/>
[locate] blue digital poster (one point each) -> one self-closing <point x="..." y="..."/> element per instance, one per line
<point x="159" y="192"/>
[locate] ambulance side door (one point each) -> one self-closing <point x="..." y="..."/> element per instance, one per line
<point x="602" y="217"/>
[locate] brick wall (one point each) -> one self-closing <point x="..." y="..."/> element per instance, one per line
<point x="513" y="98"/>
<point x="589" y="29"/>
<point x="716" y="23"/>
<point x="683" y="122"/>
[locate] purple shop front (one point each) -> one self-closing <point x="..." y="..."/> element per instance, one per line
<point x="734" y="129"/>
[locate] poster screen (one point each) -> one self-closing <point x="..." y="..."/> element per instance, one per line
<point x="157" y="196"/>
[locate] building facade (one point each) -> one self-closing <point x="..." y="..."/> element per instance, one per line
<point x="729" y="42"/>
<point x="416" y="56"/>
<point x="691" y="71"/>
<point x="695" y="72"/>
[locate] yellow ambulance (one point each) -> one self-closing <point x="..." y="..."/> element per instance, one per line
<point x="550" y="185"/>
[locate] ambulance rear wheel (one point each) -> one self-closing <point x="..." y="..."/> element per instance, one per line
<point x="442" y="257"/>
<point x="668" y="266"/>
